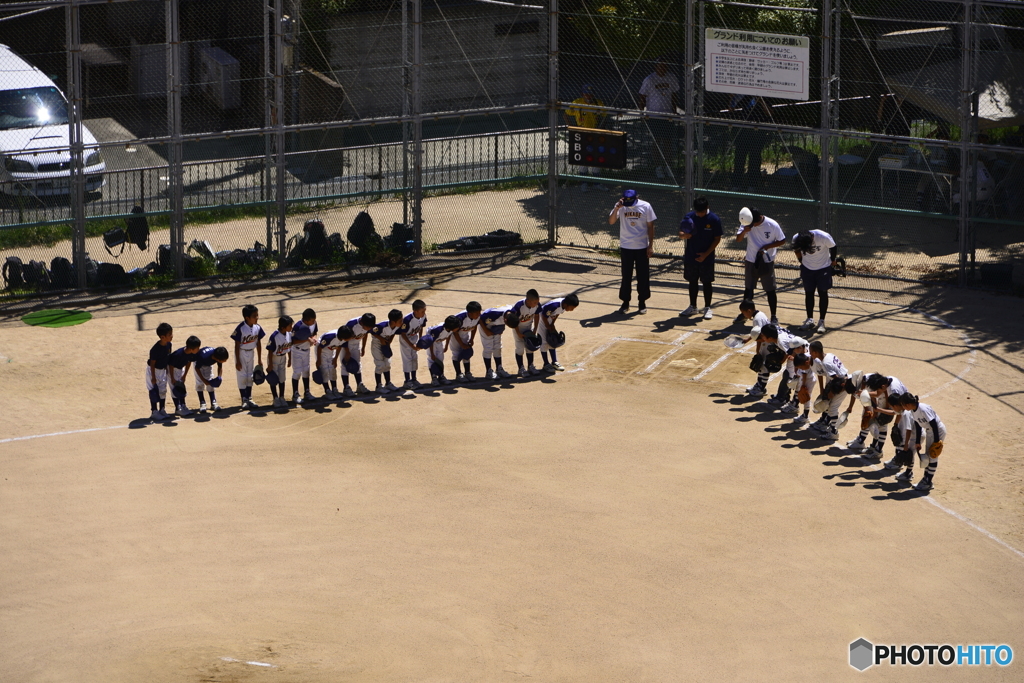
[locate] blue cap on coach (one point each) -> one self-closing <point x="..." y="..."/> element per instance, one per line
<point x="629" y="197"/>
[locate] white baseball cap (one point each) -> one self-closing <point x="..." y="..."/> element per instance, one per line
<point x="746" y="217"/>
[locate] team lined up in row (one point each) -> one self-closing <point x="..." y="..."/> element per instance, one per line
<point x="916" y="427"/>
<point x="299" y="346"/>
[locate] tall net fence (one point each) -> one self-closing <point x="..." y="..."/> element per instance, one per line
<point x="244" y="137"/>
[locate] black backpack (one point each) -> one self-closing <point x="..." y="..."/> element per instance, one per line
<point x="110" y="275"/>
<point x="362" y="234"/>
<point x="92" y="267"/>
<point x="36" y="275"/>
<point x="62" y="274"/>
<point x="138" y="228"/>
<point x="13" y="273"/>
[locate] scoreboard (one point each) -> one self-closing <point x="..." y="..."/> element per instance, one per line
<point x="596" y="147"/>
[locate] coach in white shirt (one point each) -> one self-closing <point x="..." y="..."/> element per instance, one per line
<point x="764" y="236"/>
<point x="816" y="251"/>
<point x="636" y="246"/>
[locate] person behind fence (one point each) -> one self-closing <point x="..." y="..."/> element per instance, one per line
<point x="816" y="251"/>
<point x="660" y="93"/>
<point x="580" y="115"/>
<point x="763" y="236"/>
<point x="749" y="143"/>
<point x="636" y="246"/>
<point x="702" y="231"/>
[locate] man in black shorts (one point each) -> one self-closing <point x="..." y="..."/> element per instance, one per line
<point x="702" y="231"/>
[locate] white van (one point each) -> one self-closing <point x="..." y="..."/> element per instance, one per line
<point x="34" y="116"/>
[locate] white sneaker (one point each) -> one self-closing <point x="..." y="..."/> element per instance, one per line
<point x="642" y="310"/>
<point x="380" y="389"/>
<point x="790" y="408"/>
<point x="492" y="375"/>
<point x="348" y="393"/>
<point x="308" y="396"/>
<point x="821" y="326"/>
<point x="548" y="367"/>
<point x="905" y="475"/>
<point x="468" y="377"/>
<point x="690" y="310"/>
<point x="800" y="420"/>
<point x="755" y="391"/>
<point x="855" y="445"/>
<point x="775" y="321"/>
<point x="390" y="387"/>
<point x="202" y="407"/>
<point x="523" y="372"/>
<point x="435" y="382"/>
<point x="461" y="377"/>
<point x="924" y="485"/>
<point x="362" y="389"/>
<point x="533" y="369"/>
<point x="830" y="434"/>
<point x="410" y="384"/>
<point x="502" y="373"/>
<point x="891" y="464"/>
<point x="775" y="401"/>
<point x="183" y="411"/>
<point x="156" y="417"/>
<point x="558" y="366"/>
<point x="708" y="315"/>
<point x="871" y="454"/>
<point x="215" y="405"/>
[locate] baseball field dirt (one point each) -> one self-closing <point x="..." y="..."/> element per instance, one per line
<point x="637" y="517"/>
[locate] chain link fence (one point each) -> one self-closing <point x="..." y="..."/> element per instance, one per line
<point x="298" y="134"/>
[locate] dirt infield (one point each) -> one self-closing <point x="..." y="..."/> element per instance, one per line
<point x="635" y="518"/>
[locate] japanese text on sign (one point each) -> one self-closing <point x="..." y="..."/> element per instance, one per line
<point x="750" y="63"/>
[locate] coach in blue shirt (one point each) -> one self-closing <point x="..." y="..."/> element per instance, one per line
<point x="702" y="231"/>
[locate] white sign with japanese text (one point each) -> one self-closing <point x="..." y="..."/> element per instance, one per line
<point x="765" y="64"/>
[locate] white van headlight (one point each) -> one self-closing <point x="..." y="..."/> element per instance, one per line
<point x="92" y="158"/>
<point x="18" y="165"/>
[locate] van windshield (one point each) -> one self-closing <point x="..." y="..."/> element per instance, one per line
<point x="32" y="107"/>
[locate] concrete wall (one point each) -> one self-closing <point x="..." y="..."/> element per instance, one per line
<point x="504" y="67"/>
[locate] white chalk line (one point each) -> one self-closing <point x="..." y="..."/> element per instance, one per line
<point x="968" y="522"/>
<point x="242" y="661"/>
<point x="73" y="431"/>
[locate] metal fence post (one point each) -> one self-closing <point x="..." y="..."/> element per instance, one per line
<point x="417" y="128"/>
<point x="553" y="121"/>
<point x="280" y="189"/>
<point x="76" y="139"/>
<point x="826" y="115"/>
<point x="174" y="157"/>
<point x="966" y="121"/>
<point x="699" y="98"/>
<point x="406" y="111"/>
<point x="688" y="106"/>
<point x="268" y="123"/>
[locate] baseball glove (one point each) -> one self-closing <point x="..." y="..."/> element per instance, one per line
<point x="803" y="395"/>
<point x="757" y="362"/>
<point x="935" y="450"/>
<point x="258" y="375"/>
<point x="773" y="361"/>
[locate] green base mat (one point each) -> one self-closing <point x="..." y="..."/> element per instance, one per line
<point x="56" y="318"/>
